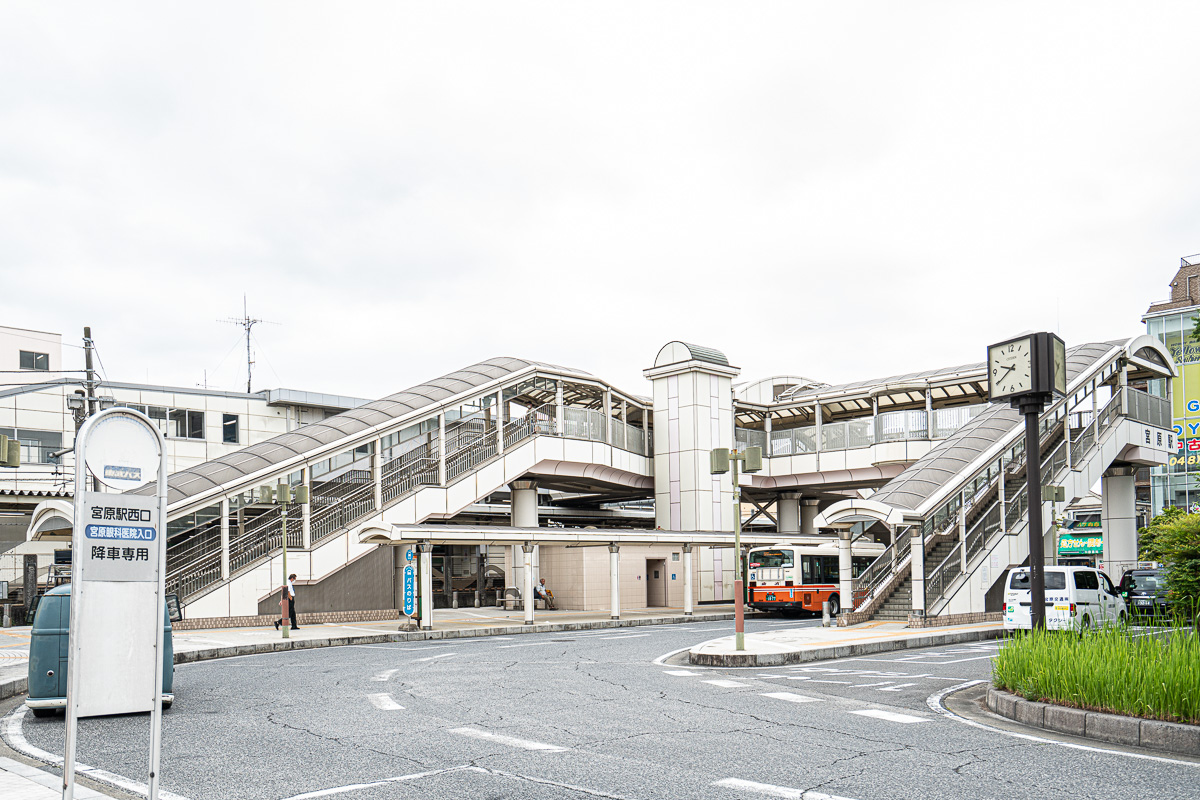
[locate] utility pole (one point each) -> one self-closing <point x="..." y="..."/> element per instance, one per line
<point x="91" y="373"/>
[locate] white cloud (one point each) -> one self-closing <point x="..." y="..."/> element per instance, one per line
<point x="844" y="191"/>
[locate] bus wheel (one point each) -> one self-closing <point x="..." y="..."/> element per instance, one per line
<point x="835" y="605"/>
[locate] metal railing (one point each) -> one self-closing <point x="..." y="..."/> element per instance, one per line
<point x="890" y="426"/>
<point x="194" y="559"/>
<point x="943" y="574"/>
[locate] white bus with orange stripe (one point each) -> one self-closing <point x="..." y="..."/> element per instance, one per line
<point x="793" y="577"/>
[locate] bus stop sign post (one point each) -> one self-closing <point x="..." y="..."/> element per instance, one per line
<point x="410" y="582"/>
<point x="117" y="582"/>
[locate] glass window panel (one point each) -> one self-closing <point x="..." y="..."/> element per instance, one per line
<point x="229" y="428"/>
<point x="30" y="360"/>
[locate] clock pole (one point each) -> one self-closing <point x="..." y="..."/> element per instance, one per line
<point x="1031" y="406"/>
<point x="1040" y="359"/>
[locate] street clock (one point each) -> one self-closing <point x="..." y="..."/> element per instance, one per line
<point x="1030" y="364"/>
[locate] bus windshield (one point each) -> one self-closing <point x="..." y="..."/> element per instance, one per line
<point x="771" y="558"/>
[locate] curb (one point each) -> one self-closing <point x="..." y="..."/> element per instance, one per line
<point x="16" y="686"/>
<point x="1170" y="737"/>
<point x="838" y="651"/>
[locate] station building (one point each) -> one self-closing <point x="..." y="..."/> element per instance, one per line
<point x="512" y="469"/>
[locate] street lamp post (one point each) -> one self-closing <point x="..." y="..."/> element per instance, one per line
<point x="725" y="460"/>
<point x="283" y="496"/>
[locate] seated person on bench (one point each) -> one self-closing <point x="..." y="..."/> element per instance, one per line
<point x="541" y="591"/>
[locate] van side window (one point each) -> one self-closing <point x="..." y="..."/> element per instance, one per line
<point x="1056" y="579"/>
<point x="1086" y="580"/>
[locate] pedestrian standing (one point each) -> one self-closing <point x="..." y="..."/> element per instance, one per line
<point x="291" y="591"/>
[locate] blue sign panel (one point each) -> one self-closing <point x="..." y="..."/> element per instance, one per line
<point x="410" y="590"/>
<point x="128" y="533"/>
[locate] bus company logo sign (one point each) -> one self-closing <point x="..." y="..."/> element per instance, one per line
<point x="118" y="473"/>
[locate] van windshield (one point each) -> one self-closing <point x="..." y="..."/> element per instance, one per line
<point x="1054" y="580"/>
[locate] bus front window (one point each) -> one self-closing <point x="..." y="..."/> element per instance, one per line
<point x="771" y="558"/>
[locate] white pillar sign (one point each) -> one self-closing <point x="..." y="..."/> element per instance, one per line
<point x="115" y="661"/>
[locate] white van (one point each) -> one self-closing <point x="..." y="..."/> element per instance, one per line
<point x="1076" y="598"/>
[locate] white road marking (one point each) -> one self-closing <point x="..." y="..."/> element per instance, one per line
<point x="527" y="644"/>
<point x="897" y="687"/>
<point x="820" y="680"/>
<point x="511" y="741"/>
<point x="869" y="685"/>
<point x="792" y="698"/>
<point x="383" y="676"/>
<point x="682" y="673"/>
<point x="16" y="739"/>
<point x="626" y="636"/>
<point x="439" y="655"/>
<point x="353" y="787"/>
<point x="774" y="791"/>
<point x="384" y="702"/>
<point x="727" y="684"/>
<point x="890" y="716"/>
<point x="934" y="701"/>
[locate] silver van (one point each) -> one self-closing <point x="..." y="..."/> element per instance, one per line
<point x="1077" y="598"/>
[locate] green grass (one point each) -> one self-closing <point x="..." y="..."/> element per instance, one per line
<point x="1112" y="669"/>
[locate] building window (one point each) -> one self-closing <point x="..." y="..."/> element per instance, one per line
<point x="35" y="360"/>
<point x="175" y="423"/>
<point x="229" y="428"/>
<point x="36" y="446"/>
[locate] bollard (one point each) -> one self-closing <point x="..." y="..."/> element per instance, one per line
<point x="455" y="602"/>
<point x="478" y="598"/>
<point x="7" y="615"/>
<point x="825" y="614"/>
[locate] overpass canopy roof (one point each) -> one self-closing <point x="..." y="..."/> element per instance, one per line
<point x="571" y="537"/>
<point x="257" y="457"/>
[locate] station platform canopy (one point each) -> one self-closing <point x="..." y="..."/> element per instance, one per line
<point x="569" y="537"/>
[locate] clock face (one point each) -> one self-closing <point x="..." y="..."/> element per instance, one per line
<point x="1010" y="368"/>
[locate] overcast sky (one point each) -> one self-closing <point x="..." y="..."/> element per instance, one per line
<point x="840" y="190"/>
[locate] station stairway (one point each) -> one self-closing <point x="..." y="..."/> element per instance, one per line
<point x="225" y="542"/>
<point x="976" y="516"/>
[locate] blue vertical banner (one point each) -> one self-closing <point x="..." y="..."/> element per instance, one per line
<point x="410" y="589"/>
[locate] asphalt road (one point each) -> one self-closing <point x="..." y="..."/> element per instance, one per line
<point x="592" y="715"/>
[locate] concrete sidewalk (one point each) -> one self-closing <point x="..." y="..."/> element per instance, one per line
<point x="799" y="645"/>
<point x="22" y="782"/>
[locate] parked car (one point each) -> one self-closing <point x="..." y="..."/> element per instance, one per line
<point x="1145" y="591"/>
<point x="1077" y="598"/>
<point x="49" y="646"/>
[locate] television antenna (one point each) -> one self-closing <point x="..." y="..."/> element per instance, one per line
<point x="247" y="322"/>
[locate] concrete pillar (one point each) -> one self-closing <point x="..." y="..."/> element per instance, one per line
<point x="377" y="472"/>
<point x="693" y="414"/>
<point x="225" y="539"/>
<point x="442" y="449"/>
<point x="808" y="516"/>
<point x="608" y="416"/>
<point x="767" y="431"/>
<point x="1119" y="519"/>
<point x="845" y="571"/>
<point x="819" y="415"/>
<point x="426" y="598"/>
<point x="962" y="529"/>
<point x="788" y="510"/>
<point x="501" y="415"/>
<point x="523" y="505"/>
<point x="918" y="572"/>
<point x="687" y="580"/>
<point x="480" y="558"/>
<point x="527" y="591"/>
<point x="560" y="409"/>
<point x="614" y="580"/>
<point x="306" y="511"/>
<point x="928" y="413"/>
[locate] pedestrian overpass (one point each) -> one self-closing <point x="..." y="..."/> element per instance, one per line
<point x="920" y="461"/>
